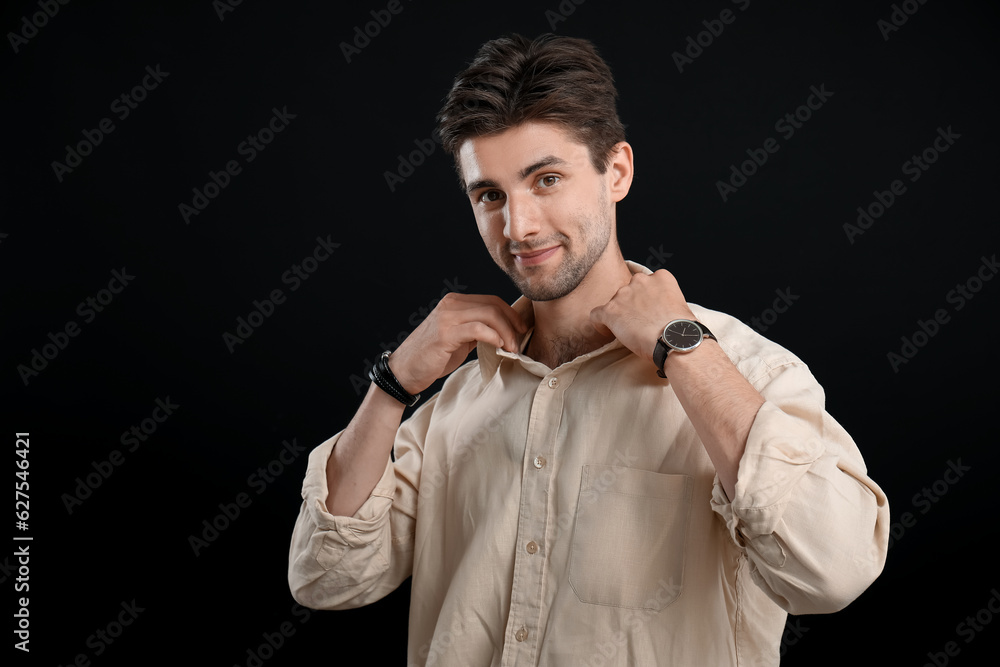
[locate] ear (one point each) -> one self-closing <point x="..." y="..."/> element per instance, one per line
<point x="620" y="171"/>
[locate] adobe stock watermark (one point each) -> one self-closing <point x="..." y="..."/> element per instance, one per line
<point x="783" y="300"/>
<point x="248" y="149"/>
<point x="914" y="168"/>
<point x="363" y="36"/>
<point x="223" y="7"/>
<point x="900" y="14"/>
<point x="7" y="570"/>
<point x="105" y="636"/>
<point x="958" y="296"/>
<point x="634" y="619"/>
<point x="31" y="25"/>
<point x="131" y="439"/>
<point x="713" y="29"/>
<point x="657" y="258"/>
<point x="461" y="453"/>
<point x="967" y="629"/>
<point x="794" y="631"/>
<point x="407" y="165"/>
<point x="588" y="496"/>
<point x="22" y="604"/>
<point x="258" y="481"/>
<point x="360" y="382"/>
<point x="88" y="310"/>
<point x="122" y="106"/>
<point x="925" y="499"/>
<point x="786" y="125"/>
<point x="431" y="653"/>
<point x="493" y="422"/>
<point x="565" y="9"/>
<point x="264" y="309"/>
<point x="271" y="642"/>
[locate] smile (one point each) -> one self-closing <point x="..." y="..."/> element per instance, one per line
<point x="536" y="257"/>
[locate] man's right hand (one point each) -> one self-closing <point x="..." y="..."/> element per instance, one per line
<point x="449" y="333"/>
<point x="435" y="348"/>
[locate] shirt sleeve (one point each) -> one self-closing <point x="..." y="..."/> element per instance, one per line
<point x="813" y="525"/>
<point x="341" y="562"/>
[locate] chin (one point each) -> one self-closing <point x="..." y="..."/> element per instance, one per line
<point x="546" y="290"/>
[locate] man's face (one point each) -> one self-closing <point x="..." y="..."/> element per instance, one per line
<point x="542" y="209"/>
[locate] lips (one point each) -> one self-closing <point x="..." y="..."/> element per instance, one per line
<point x="536" y="256"/>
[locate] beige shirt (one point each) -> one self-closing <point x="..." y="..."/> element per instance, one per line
<point x="571" y="516"/>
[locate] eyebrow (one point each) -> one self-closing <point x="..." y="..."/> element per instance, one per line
<point x="547" y="161"/>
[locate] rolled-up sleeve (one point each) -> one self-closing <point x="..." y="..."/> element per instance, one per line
<point x="813" y="525"/>
<point x="340" y="562"/>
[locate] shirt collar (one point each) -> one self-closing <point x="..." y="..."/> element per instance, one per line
<point x="490" y="355"/>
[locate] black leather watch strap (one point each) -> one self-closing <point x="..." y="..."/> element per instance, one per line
<point x="660" y="356"/>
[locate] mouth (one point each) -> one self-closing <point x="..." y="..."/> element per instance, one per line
<point x="535" y="256"/>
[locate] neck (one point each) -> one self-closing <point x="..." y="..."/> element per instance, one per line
<point x="563" y="330"/>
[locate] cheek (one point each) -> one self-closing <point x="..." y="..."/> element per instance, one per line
<point x="484" y="232"/>
<point x="490" y="228"/>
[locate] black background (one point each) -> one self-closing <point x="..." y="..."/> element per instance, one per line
<point x="324" y="176"/>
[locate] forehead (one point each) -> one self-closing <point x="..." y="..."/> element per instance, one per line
<point x="504" y="155"/>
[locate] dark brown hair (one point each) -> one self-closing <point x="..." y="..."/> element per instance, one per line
<point x="513" y="80"/>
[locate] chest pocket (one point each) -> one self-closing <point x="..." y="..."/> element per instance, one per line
<point x="629" y="537"/>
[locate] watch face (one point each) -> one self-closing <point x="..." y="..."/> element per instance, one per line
<point x="682" y="335"/>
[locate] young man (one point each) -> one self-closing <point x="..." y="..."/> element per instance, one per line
<point x="620" y="477"/>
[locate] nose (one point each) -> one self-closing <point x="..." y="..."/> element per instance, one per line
<point x="521" y="218"/>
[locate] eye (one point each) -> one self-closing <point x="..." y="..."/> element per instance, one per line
<point x="548" y="181"/>
<point x="491" y="196"/>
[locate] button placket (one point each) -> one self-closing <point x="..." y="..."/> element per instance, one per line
<point x="526" y="606"/>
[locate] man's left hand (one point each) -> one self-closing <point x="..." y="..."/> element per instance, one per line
<point x="637" y="313"/>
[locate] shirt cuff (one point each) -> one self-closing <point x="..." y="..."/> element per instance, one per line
<point x="340" y="562"/>
<point x="780" y="450"/>
<point x="365" y="525"/>
<point x="811" y="522"/>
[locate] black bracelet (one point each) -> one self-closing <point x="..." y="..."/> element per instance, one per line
<point x="383" y="378"/>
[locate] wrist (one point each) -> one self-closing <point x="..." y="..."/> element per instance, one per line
<point x="678" y="364"/>
<point x="679" y="337"/>
<point x="382" y="375"/>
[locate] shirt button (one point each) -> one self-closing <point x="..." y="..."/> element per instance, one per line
<point x="553" y="383"/>
<point x="531" y="547"/>
<point x="521" y="634"/>
<point x="539" y="462"/>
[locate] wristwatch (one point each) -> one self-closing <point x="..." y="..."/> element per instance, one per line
<point x="679" y="335"/>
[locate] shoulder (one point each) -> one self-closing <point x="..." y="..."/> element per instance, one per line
<point x="758" y="358"/>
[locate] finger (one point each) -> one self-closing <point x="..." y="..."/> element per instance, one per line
<point x="598" y="319"/>
<point x="478" y="332"/>
<point x="457" y="301"/>
<point x="507" y="335"/>
<point x="511" y="316"/>
<point x="603" y="329"/>
<point x="495" y="318"/>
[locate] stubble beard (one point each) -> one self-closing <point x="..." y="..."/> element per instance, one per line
<point x="574" y="267"/>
